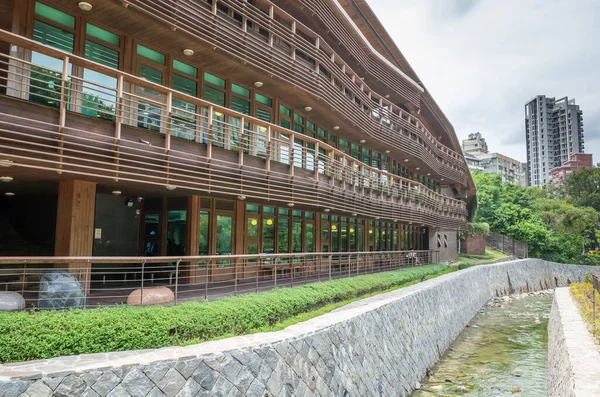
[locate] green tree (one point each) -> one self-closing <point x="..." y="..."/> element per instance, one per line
<point x="583" y="188"/>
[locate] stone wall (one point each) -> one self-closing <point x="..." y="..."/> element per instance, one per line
<point x="573" y="358"/>
<point x="380" y="346"/>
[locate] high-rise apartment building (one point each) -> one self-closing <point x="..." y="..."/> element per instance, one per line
<point x="554" y="132"/>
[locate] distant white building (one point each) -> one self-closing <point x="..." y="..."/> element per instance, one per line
<point x="478" y="158"/>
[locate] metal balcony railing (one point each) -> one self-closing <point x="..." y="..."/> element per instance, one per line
<point x="275" y="53"/>
<point x="106" y="281"/>
<point x="316" y="173"/>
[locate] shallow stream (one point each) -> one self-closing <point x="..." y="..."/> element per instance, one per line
<point x="503" y="352"/>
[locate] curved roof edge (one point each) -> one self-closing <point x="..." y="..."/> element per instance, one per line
<point x="384" y="41"/>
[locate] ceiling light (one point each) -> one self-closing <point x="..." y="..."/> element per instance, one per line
<point x="6" y="178"/>
<point x="376" y="217"/>
<point x="258" y="84"/>
<point x="417" y="169"/>
<point x="387" y="95"/>
<point x="336" y="127"/>
<point x="429" y="174"/>
<point x="85" y="6"/>
<point x="362" y="141"/>
<point x="241" y="197"/>
<point x="410" y="223"/>
<point x="387" y="151"/>
<point x="406" y="160"/>
<point x="116" y="192"/>
<point x="442" y="179"/>
<point x="307" y="108"/>
<point x="9" y="194"/>
<point x="290" y="205"/>
<point x="188" y="52"/>
<point x="326" y="210"/>
<point x="354" y="214"/>
<point x="6" y="163"/>
<point x="171" y="187"/>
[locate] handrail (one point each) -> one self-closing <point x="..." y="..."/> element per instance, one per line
<point x="176" y="17"/>
<point x="167" y="92"/>
<point x="33" y="260"/>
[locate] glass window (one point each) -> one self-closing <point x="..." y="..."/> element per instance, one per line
<point x="215" y="96"/>
<point x="264" y="100"/>
<point x="203" y="234"/>
<point x="176" y="232"/>
<point x="283" y="244"/>
<point x="310" y="239"/>
<point x="101" y="34"/>
<point x="184" y="85"/>
<point x="53" y="36"/>
<point x="268" y="234"/>
<point x="101" y="54"/>
<point x="185" y="68"/>
<point x="240" y="90"/>
<point x="297" y="236"/>
<point x="283" y="111"/>
<point x="151" y="74"/>
<point x="224" y="235"/>
<point x="150" y="54"/>
<point x="240" y="105"/>
<point x="55" y="15"/>
<point x="214" y="80"/>
<point x="263" y="115"/>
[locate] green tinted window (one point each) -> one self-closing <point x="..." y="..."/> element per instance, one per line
<point x="185" y="68"/>
<point x="54" y="37"/>
<point x="215" y="96"/>
<point x="101" y="34"/>
<point x="184" y="85"/>
<point x="264" y="100"/>
<point x="240" y="105"/>
<point x="283" y="212"/>
<point x="268" y="210"/>
<point x="101" y="54"/>
<point x="214" y="80"/>
<point x="285" y="123"/>
<point x="240" y="90"/>
<point x="263" y="115"/>
<point x="151" y="74"/>
<point x="151" y="54"/>
<point x="252" y="208"/>
<point x="54" y="15"/>
<point x="310" y="126"/>
<point x="284" y="111"/>
<point x="298" y="119"/>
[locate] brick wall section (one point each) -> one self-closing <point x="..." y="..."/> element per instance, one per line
<point x="473" y="245"/>
<point x="380" y="346"/>
<point x="447" y="244"/>
<point x="573" y="358"/>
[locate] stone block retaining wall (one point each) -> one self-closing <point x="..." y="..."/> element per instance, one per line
<point x="573" y="358"/>
<point x="380" y="346"/>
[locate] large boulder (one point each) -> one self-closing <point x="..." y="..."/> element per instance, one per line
<point x="11" y="301"/>
<point x="59" y="289"/>
<point x="150" y="296"/>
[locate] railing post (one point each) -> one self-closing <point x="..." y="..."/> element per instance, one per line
<point x="330" y="256"/>
<point x="177" y="279"/>
<point x="142" y="288"/>
<point x="235" y="276"/>
<point x="258" y="266"/>
<point x="63" y="111"/>
<point x="208" y="265"/>
<point x="275" y="270"/>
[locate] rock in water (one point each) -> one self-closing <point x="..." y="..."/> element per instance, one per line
<point x="59" y="289"/>
<point x="151" y="296"/>
<point x="11" y="301"/>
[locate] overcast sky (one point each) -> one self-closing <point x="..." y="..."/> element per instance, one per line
<point x="483" y="59"/>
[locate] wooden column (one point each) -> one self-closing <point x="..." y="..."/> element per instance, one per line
<point x="75" y="226"/>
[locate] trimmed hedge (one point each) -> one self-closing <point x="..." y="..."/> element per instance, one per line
<point x="31" y="335"/>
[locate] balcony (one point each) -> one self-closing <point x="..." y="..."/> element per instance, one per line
<point x="135" y="134"/>
<point x="275" y="52"/>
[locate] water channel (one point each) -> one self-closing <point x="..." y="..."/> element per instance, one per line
<point x="502" y="353"/>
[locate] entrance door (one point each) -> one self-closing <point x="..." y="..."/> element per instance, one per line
<point x="223" y="269"/>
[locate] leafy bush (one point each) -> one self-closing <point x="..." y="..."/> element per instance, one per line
<point x="30" y="335"/>
<point x="478" y="228"/>
<point x="465" y="265"/>
<point x="588" y="259"/>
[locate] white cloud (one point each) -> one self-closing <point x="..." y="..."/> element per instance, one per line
<point x="483" y="59"/>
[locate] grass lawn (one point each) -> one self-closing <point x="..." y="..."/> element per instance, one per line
<point x="31" y="335"/>
<point x="490" y="256"/>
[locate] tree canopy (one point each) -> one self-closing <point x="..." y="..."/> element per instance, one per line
<point x="554" y="228"/>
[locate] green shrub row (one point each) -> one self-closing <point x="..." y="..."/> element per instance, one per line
<point x="30" y="335"/>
